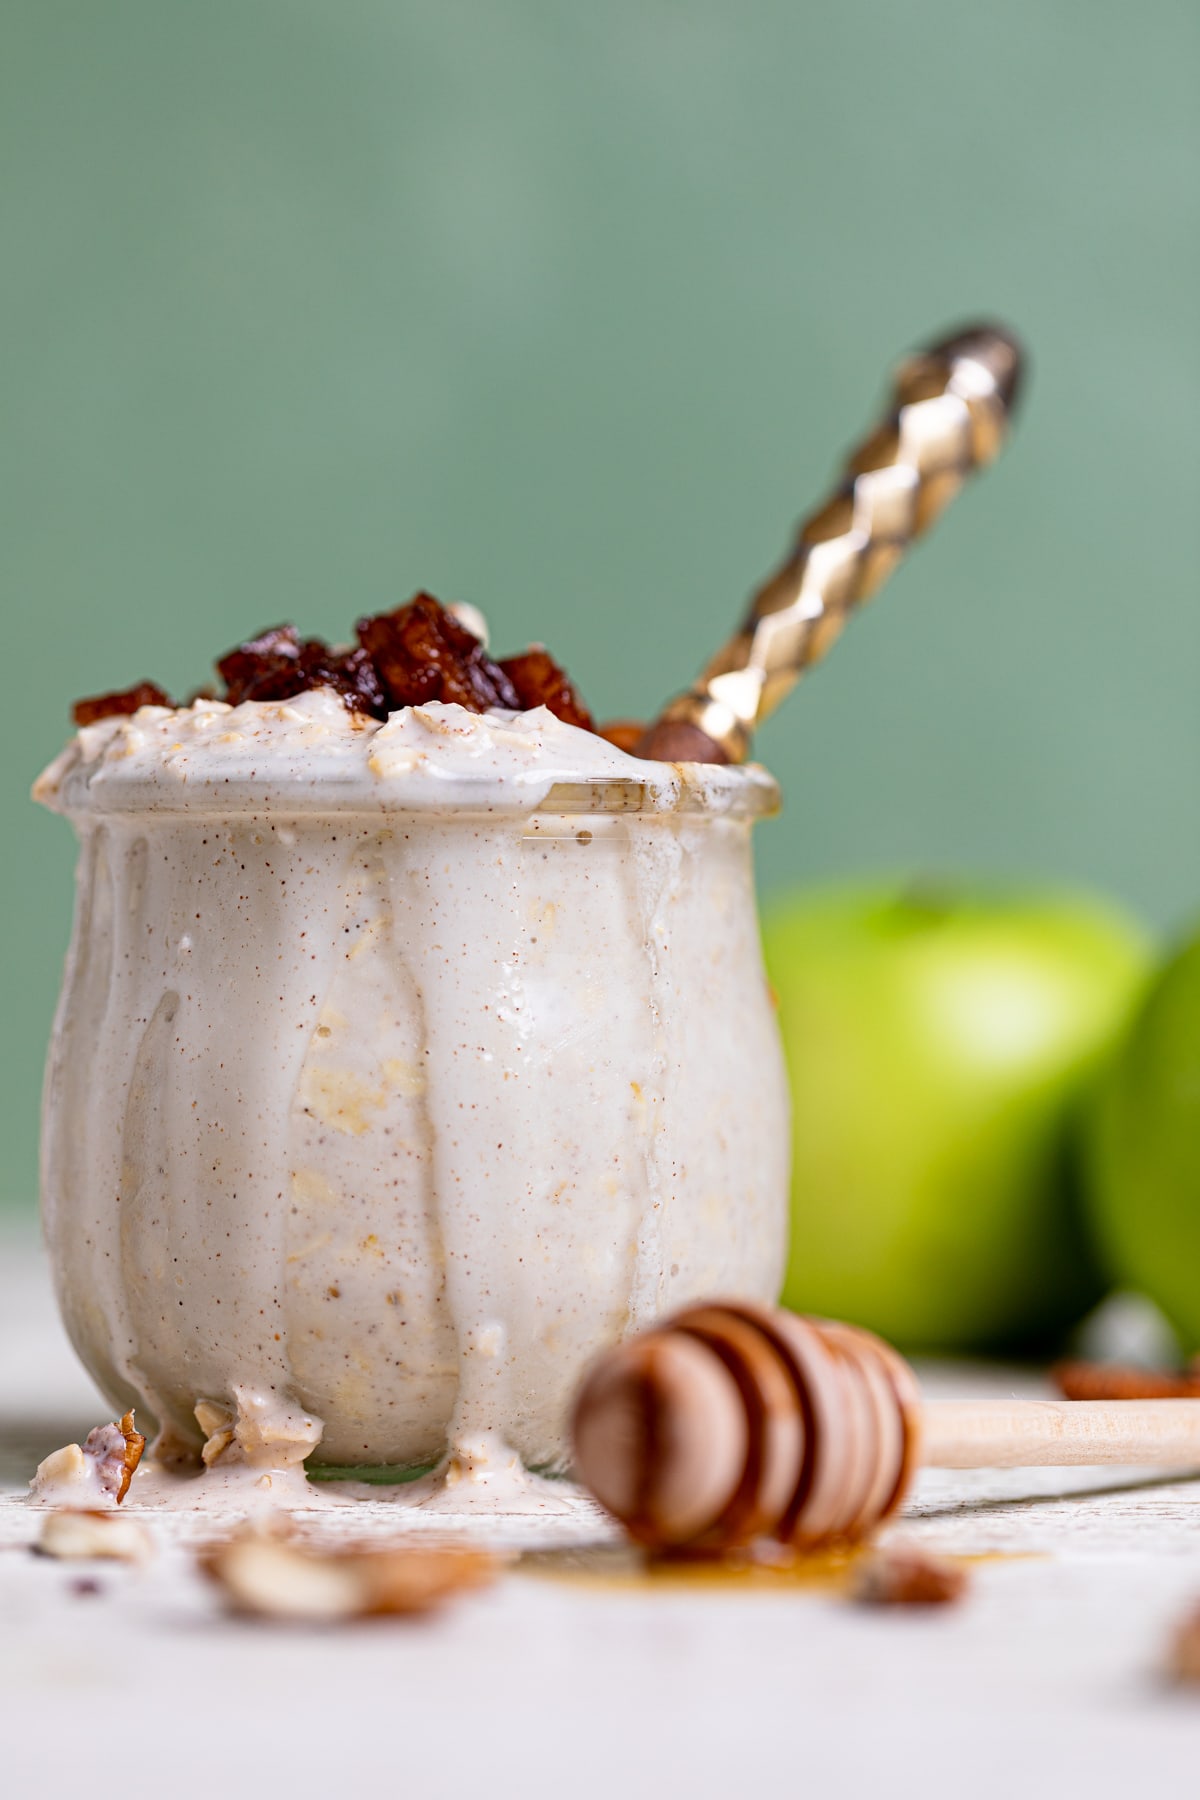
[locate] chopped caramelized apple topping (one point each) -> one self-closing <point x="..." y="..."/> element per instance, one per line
<point x="539" y="681"/>
<point x="128" y="700"/>
<point x="278" y="666"/>
<point x="423" y="653"/>
<point x="418" y="653"/>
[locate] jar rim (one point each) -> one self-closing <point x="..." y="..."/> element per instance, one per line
<point x="307" y="757"/>
<point x="693" y="790"/>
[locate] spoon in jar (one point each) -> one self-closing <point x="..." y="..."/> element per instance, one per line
<point x="949" y="415"/>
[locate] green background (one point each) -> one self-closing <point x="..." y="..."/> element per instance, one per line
<point x="569" y="311"/>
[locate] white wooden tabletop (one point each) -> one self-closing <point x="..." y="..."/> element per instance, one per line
<point x="1047" y="1680"/>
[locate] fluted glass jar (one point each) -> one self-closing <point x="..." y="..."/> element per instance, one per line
<point x="397" y="1069"/>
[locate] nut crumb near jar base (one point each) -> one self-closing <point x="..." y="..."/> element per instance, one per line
<point x="399" y="1067"/>
<point x="93" y="1474"/>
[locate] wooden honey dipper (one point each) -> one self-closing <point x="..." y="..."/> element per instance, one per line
<point x="731" y="1422"/>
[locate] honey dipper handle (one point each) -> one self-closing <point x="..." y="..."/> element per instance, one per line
<point x="948" y="416"/>
<point x="1010" y="1434"/>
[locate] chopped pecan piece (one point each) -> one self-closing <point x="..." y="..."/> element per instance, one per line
<point x="101" y="1467"/>
<point x="907" y="1577"/>
<point x="274" y="1578"/>
<point x="71" y="1535"/>
<point x="116" y="1451"/>
<point x="1185" y="1650"/>
<point x="1118" y="1381"/>
<point x="135" y="1443"/>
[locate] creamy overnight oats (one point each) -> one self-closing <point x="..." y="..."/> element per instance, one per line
<point x="414" y="1044"/>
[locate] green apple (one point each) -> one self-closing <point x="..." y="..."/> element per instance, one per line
<point x="938" y="1043"/>
<point x="1144" y="1149"/>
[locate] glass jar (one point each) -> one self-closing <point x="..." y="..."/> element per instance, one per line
<point x="373" y="1112"/>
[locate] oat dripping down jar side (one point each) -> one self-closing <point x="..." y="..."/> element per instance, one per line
<point x="396" y="1071"/>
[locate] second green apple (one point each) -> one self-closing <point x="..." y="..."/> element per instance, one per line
<point x="938" y="1043"/>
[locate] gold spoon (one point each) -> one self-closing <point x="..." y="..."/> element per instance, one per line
<point x="950" y="412"/>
